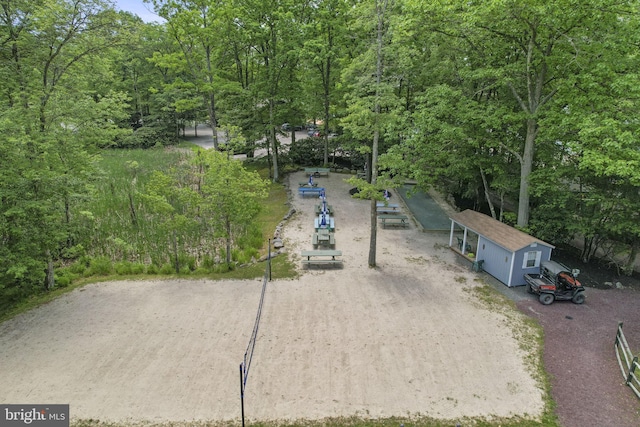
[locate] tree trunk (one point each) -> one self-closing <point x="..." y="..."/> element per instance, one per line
<point x="486" y="194"/>
<point x="50" y="278"/>
<point x="274" y="141"/>
<point x="629" y="266"/>
<point x="380" y="10"/>
<point x="176" y="260"/>
<point x="210" y="101"/>
<point x="326" y="109"/>
<point x="228" y="227"/>
<point x="526" y="167"/>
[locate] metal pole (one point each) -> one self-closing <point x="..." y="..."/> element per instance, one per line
<point x="242" y="394"/>
<point x="269" y="260"/>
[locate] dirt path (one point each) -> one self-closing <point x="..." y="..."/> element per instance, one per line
<point x="399" y="340"/>
<point x="587" y="384"/>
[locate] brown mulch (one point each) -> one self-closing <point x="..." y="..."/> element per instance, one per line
<point x="586" y="382"/>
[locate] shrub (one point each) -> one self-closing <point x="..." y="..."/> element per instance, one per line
<point x="122" y="268"/>
<point x="244" y="257"/>
<point x="137" y="268"/>
<point x="62" y="281"/>
<point x="64" y="277"/>
<point x="306" y="152"/>
<point x="510" y="218"/>
<point x="187" y="261"/>
<point x="167" y="269"/>
<point x="252" y="238"/>
<point x="73" y="252"/>
<point x="78" y="267"/>
<point x="100" y="266"/>
<point x="207" y="262"/>
<point x="222" y="268"/>
<point x="152" y="269"/>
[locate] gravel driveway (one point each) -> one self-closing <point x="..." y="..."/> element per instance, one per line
<point x="587" y="384"/>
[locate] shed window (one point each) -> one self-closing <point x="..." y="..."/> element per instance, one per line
<point x="532" y="259"/>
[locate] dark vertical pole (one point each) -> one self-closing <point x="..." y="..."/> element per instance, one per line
<point x="242" y="394"/>
<point x="269" y="260"/>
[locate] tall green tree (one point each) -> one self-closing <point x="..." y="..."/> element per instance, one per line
<point x="370" y="98"/>
<point x="524" y="54"/>
<point x="324" y="46"/>
<point x="275" y="39"/>
<point x="175" y="206"/>
<point x="231" y="196"/>
<point x="196" y="27"/>
<point x="54" y="115"/>
<point x="595" y="138"/>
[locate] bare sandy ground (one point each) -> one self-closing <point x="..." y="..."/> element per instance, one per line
<point x="403" y="339"/>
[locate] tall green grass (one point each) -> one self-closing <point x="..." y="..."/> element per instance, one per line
<point x="119" y="225"/>
<point x="116" y="223"/>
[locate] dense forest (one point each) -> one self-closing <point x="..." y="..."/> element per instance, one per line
<point x="525" y="109"/>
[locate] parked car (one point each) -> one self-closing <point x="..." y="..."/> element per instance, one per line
<point x="287" y="127"/>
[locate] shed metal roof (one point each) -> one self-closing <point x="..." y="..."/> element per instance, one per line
<point x="498" y="232"/>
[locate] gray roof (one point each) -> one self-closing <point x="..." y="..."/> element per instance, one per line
<point x="498" y="232"/>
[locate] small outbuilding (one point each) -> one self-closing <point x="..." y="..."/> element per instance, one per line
<point x="499" y="249"/>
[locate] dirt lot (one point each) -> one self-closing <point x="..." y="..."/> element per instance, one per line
<point x="404" y="339"/>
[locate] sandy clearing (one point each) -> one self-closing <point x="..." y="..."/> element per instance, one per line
<point x="402" y="339"/>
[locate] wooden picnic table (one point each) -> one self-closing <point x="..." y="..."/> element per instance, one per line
<point x="317" y="171"/>
<point x="387" y="205"/>
<point x="321" y="256"/>
<point x="388" y="211"/>
<point x="323" y="237"/>
<point x="395" y="219"/>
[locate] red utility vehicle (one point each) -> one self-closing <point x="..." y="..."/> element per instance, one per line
<point x="555" y="282"/>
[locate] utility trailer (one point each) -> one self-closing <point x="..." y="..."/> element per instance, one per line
<point x="555" y="282"/>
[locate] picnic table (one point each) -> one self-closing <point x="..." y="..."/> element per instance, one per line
<point x="399" y="220"/>
<point x="382" y="211"/>
<point x="317" y="171"/>
<point x="314" y="191"/>
<point x="306" y="184"/>
<point x="321" y="256"/>
<point x="330" y="223"/>
<point x="387" y="205"/>
<point x="323" y="237"/>
<point x="318" y="209"/>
